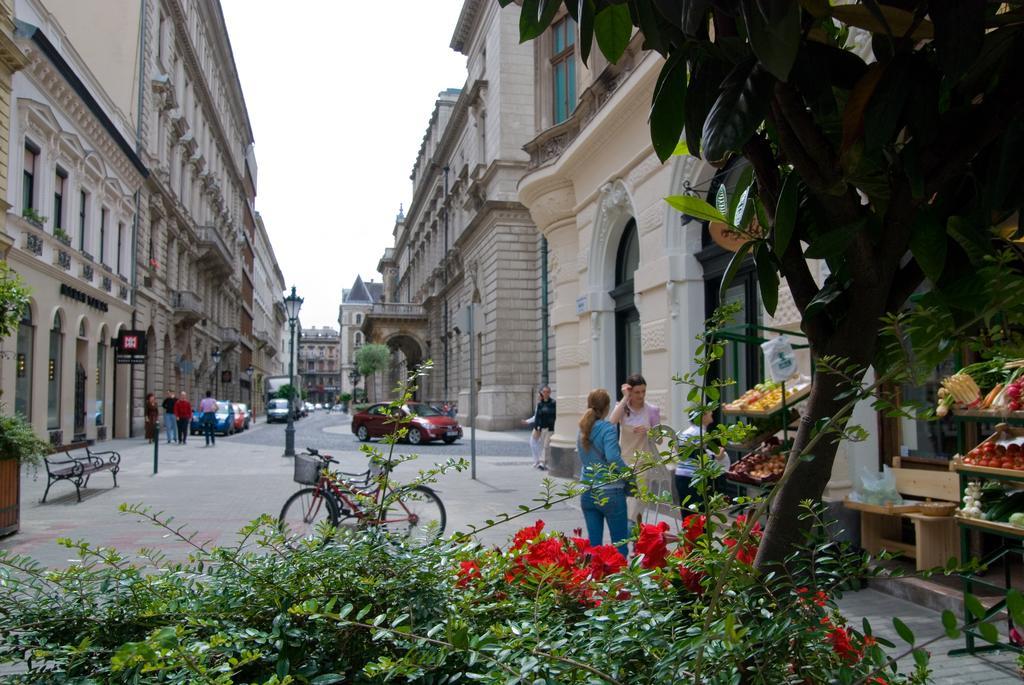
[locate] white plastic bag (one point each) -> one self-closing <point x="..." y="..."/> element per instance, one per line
<point x="873" y="487"/>
<point x="780" y="358"/>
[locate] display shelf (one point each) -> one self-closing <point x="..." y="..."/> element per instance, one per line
<point x="987" y="415"/>
<point x="1004" y="529"/>
<point x="750" y="480"/>
<point x="799" y="395"/>
<point x="987" y="471"/>
<point x="885" y="509"/>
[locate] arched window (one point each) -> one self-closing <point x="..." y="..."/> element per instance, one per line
<point x="53" y="373"/>
<point x="23" y="366"/>
<point x="359" y="338"/>
<point x="359" y="319"/>
<point x="101" y="377"/>
<point x="627" y="319"/>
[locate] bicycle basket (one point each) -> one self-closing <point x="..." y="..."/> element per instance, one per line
<point x="307" y="469"/>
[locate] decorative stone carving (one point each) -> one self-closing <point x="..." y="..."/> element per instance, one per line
<point x="613" y="197"/>
<point x="64" y="260"/>
<point x="87" y="272"/>
<point x="652" y="336"/>
<point x="107" y="284"/>
<point x="34" y="244"/>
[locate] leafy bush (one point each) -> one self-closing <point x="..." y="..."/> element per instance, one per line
<point x="18" y="441"/>
<point x="366" y="608"/>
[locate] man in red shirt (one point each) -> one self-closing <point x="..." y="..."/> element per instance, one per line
<point x="183" y="412"/>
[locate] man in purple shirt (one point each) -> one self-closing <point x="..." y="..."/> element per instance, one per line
<point x="208" y="409"/>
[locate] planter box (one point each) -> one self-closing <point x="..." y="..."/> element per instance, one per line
<point x="10" y="496"/>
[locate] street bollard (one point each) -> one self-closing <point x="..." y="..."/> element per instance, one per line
<point x="156" y="448"/>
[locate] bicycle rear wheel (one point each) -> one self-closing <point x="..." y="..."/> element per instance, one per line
<point x="418" y="515"/>
<point x="306" y="509"/>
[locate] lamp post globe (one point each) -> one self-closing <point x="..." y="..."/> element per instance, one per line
<point x="292" y="304"/>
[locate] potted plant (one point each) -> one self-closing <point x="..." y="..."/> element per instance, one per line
<point x="345" y="398"/>
<point x="18" y="445"/>
<point x="33" y="217"/>
<point x="61" y="235"/>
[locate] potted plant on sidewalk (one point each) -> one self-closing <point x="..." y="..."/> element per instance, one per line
<point x="17" y="441"/>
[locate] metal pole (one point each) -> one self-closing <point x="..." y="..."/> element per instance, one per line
<point x="289" y="432"/>
<point x="446" y="323"/>
<point x="156" y="447"/>
<point x="472" y="392"/>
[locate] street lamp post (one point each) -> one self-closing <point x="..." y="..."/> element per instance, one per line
<point x="216" y="371"/>
<point x="354" y="376"/>
<point x="292" y="304"/>
<point x="248" y="376"/>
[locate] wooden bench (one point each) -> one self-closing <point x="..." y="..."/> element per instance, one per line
<point x="935" y="537"/>
<point x="78" y="469"/>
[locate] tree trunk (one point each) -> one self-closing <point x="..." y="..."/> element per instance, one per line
<point x="854" y="341"/>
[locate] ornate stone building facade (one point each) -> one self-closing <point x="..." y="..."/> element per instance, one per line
<point x="355" y="303"/>
<point x="319" y="363"/>
<point x="269" y="318"/>
<point x="136" y="191"/>
<point x="633" y="279"/>
<point x="466" y="238"/>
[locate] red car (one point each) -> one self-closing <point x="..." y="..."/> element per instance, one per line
<point x="426" y="424"/>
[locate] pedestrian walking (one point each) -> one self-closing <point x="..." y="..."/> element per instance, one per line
<point x="598" y="447"/>
<point x="151" y="415"/>
<point x="170" y="421"/>
<point x="208" y="410"/>
<point x="543" y="422"/>
<point x="183" y="413"/>
<point x="635" y="418"/>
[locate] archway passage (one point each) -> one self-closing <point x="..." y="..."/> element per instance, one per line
<point x="406" y="355"/>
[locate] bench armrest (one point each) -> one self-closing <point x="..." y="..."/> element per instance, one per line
<point x="76" y="465"/>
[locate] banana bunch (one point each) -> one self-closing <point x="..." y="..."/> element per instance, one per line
<point x="960" y="389"/>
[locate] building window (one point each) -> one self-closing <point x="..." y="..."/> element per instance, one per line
<point x="358" y="338"/>
<point x="628" y="359"/>
<point x="53" y="372"/>
<point x="563" y="69"/>
<point x="120" y="245"/>
<point x="58" y="198"/>
<point x="83" y="201"/>
<point x="23" y="367"/>
<point x="103" y="236"/>
<point x="28" y="182"/>
<point x="359" y="319"/>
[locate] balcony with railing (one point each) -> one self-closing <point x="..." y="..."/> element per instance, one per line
<point x="229" y="337"/>
<point x="213" y="250"/>
<point x="188" y="307"/>
<point x="387" y="317"/>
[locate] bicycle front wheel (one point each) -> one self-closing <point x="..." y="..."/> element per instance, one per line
<point x="418" y="515"/>
<point x="306" y="509"/>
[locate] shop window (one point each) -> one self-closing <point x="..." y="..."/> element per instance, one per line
<point x="53" y="373"/>
<point x="101" y="382"/>
<point x="23" y="367"/>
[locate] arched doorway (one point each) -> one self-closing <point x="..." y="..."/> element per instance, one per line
<point x="23" y="366"/>
<point x="53" y="375"/>
<point x="628" y="358"/>
<point x="406" y="355"/>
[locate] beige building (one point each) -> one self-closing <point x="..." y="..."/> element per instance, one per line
<point x="73" y="206"/>
<point x="320" y="364"/>
<point x="465" y="238"/>
<point x="355" y="303"/>
<point x="269" y="319"/>
<point x="137" y="194"/>
<point x="633" y="279"/>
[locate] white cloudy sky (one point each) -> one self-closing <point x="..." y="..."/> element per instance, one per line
<point x="339" y="95"/>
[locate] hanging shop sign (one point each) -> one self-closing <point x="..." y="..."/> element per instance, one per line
<point x="130" y="347"/>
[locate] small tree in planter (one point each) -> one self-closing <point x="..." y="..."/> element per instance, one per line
<point x="18" y="444"/>
<point x="372" y="358"/>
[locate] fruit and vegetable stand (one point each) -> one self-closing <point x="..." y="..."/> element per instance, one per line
<point x="989" y="507"/>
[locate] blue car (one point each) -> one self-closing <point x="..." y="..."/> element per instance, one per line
<point x="224" y="424"/>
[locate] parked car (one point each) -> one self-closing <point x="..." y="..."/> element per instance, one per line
<point x="308" y="407"/>
<point x="224" y="420"/>
<point x="427" y="424"/>
<point x="277" y="410"/>
<point x="318" y="406"/>
<point x="239" y="410"/>
<point x="246" y="413"/>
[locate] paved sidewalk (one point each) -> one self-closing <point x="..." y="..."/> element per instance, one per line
<point x="216" y="491"/>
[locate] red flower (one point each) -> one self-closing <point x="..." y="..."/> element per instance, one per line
<point x="605" y="560"/>
<point x="693" y="526"/>
<point x="652" y="544"/>
<point x="548" y="553"/>
<point x="841" y="645"/>
<point x="468" y="570"/>
<point x="1015" y="638"/>
<point x="692" y="579"/>
<point x="582" y="544"/>
<point x="527" y="534"/>
<point x="746" y="554"/>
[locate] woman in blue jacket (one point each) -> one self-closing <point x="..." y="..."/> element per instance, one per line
<point x="598" y="447"/>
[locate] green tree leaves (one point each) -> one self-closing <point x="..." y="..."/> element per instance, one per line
<point x="372" y="358"/>
<point x="738" y="111"/>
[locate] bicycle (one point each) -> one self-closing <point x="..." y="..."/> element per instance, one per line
<point x="344" y="499"/>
